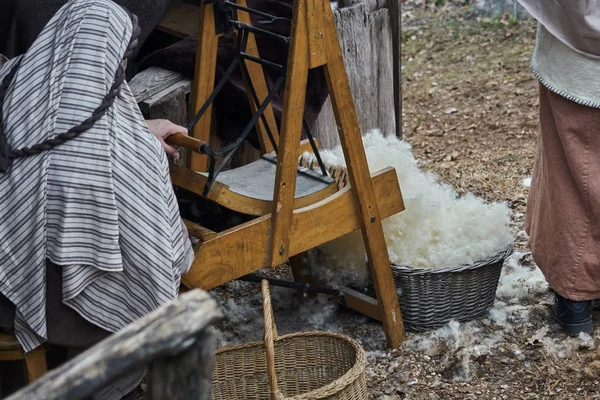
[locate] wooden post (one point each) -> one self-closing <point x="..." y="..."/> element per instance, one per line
<point x="174" y="108"/>
<point x="364" y="32"/>
<point x="187" y="375"/>
<point x="394" y="8"/>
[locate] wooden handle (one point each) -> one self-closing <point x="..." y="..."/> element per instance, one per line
<point x="199" y="232"/>
<point x="270" y="338"/>
<point x="186" y="141"/>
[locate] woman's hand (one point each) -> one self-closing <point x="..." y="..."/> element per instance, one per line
<point x="162" y="129"/>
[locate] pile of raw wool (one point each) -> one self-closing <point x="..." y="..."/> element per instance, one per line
<point x="438" y="228"/>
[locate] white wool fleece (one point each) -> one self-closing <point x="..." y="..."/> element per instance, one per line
<point x="438" y="228"/>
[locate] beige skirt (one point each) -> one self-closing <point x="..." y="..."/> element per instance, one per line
<point x="563" y="210"/>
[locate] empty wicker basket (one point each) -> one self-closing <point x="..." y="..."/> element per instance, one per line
<point x="298" y="366"/>
<point x="431" y="297"/>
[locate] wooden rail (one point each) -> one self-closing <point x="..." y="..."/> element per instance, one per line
<point x="176" y="342"/>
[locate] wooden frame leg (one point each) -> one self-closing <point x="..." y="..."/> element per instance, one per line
<point x="204" y="80"/>
<point x="362" y="186"/>
<point x="35" y="363"/>
<point x="289" y="142"/>
<point x="301" y="273"/>
<point x="298" y="267"/>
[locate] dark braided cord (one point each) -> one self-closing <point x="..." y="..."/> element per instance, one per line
<point x="4" y="147"/>
<point x="98" y="113"/>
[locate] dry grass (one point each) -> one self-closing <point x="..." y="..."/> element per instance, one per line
<point x="470" y="102"/>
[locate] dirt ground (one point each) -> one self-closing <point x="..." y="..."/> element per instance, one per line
<point x="470" y="113"/>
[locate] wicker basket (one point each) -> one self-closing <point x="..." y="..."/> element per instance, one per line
<point x="431" y="297"/>
<point x="307" y="365"/>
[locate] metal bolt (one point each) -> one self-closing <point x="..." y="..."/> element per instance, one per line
<point x="372" y="218"/>
<point x="281" y="251"/>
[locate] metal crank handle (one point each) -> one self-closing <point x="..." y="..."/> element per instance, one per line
<point x="190" y="143"/>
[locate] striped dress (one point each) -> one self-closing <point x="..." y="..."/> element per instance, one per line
<point x="102" y="205"/>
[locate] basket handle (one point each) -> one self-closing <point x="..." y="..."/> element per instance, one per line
<point x="270" y="338"/>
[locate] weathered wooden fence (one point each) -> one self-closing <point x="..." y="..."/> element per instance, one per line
<point x="177" y="343"/>
<point x="366" y="35"/>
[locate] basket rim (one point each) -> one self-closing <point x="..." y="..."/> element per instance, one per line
<point x="497" y="257"/>
<point x="331" y="388"/>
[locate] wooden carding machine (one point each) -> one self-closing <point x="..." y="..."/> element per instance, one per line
<point x="295" y="209"/>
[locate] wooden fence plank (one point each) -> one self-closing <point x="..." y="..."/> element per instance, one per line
<point x="152" y="81"/>
<point x="394" y="11"/>
<point x="170" y="103"/>
<point x="167" y="332"/>
<point x="185" y="376"/>
<point x="365" y="35"/>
